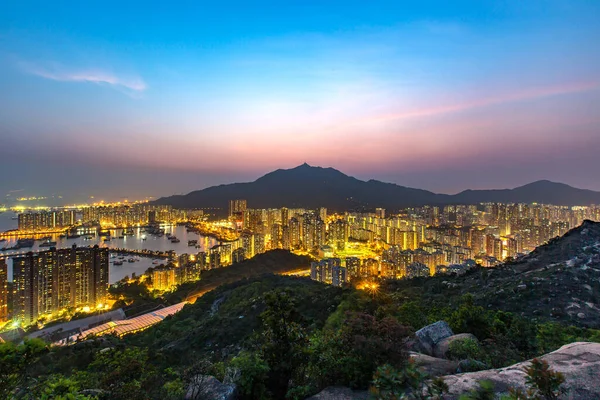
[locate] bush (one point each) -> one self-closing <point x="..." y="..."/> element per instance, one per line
<point x="466" y="349"/>
<point x="408" y="383"/>
<point x="252" y="376"/>
<point x="544" y="382"/>
<point x="350" y="356"/>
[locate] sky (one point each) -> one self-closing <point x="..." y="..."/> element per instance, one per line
<point x="133" y="99"/>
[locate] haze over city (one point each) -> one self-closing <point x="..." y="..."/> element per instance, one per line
<point x="116" y="99"/>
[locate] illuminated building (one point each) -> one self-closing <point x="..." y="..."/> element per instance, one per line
<point x="46" y="220"/>
<point x="380" y="212"/>
<point x="164" y="278"/>
<point x="417" y="269"/>
<point x="238" y="255"/>
<point x="52" y="280"/>
<point x="338" y="234"/>
<point x="339" y="275"/>
<point x="353" y="266"/>
<point x="237" y="207"/>
<point x="3" y="291"/>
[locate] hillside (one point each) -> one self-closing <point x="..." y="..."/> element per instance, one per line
<point x="137" y="299"/>
<point x="559" y="281"/>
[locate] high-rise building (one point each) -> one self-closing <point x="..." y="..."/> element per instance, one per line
<point x="49" y="281"/>
<point x="380" y="212"/>
<point x="3" y="290"/>
<point x="237" y="207"/>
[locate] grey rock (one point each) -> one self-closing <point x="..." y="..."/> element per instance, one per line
<point x="579" y="362"/>
<point x="206" y="387"/>
<point x="441" y="349"/>
<point x="430" y="335"/>
<point x="433" y="366"/>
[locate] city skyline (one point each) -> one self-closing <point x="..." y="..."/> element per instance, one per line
<point x="138" y="103"/>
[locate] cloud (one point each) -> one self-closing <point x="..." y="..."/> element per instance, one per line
<point x="58" y="72"/>
<point x="529" y="94"/>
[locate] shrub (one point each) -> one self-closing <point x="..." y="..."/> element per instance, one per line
<point x="466" y="349"/>
<point x="408" y="383"/>
<point x="543" y="381"/>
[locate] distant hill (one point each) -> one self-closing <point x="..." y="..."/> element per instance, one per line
<point x="311" y="187"/>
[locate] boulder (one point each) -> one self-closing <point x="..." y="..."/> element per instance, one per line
<point x="206" y="387"/>
<point x="433" y="366"/>
<point x="429" y="336"/>
<point x="441" y="348"/>
<point x="340" y="393"/>
<point x="579" y="362"/>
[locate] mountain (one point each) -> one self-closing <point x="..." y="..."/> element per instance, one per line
<point x="311" y="187"/>
<point x="543" y="191"/>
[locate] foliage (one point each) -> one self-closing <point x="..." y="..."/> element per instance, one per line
<point x="283" y="341"/>
<point x="61" y="388"/>
<point x="16" y="363"/>
<point x="253" y="374"/>
<point x="472" y="319"/>
<point x="485" y="391"/>
<point x="408" y="383"/>
<point x="466" y="349"/>
<point x="351" y="355"/>
<point x="544" y="382"/>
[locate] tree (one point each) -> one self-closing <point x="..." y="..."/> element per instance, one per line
<point x="252" y="377"/>
<point x="350" y="355"/>
<point x="283" y="342"/>
<point x="15" y="364"/>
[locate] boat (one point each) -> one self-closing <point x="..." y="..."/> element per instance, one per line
<point x="107" y="239"/>
<point x="88" y="238"/>
<point x="155" y="262"/>
<point x="121" y="237"/>
<point x="175" y="240"/>
<point x="45" y="238"/>
<point x="48" y="243"/>
<point x="117" y="262"/>
<point x="25" y="243"/>
<point x="131" y="260"/>
<point x="192" y="242"/>
<point x="73" y="236"/>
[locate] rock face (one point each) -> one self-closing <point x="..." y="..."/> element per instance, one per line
<point x="340" y="393"/>
<point x="206" y="387"/>
<point x="428" y="337"/>
<point x="579" y="362"/>
<point x="442" y="347"/>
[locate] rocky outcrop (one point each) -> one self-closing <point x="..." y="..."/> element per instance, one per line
<point x="428" y="337"/>
<point x="579" y="362"/>
<point x="340" y="393"/>
<point x="206" y="387"/>
<point x="441" y="348"/>
<point x="433" y="366"/>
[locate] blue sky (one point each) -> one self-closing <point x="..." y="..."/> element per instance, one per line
<point x="140" y="99"/>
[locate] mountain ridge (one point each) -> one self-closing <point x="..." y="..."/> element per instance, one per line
<point x="308" y="186"/>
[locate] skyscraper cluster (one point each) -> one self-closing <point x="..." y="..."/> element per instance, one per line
<point x="46" y="220"/>
<point x="50" y="281"/>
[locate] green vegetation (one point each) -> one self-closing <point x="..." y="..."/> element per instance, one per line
<point x="280" y="337"/>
